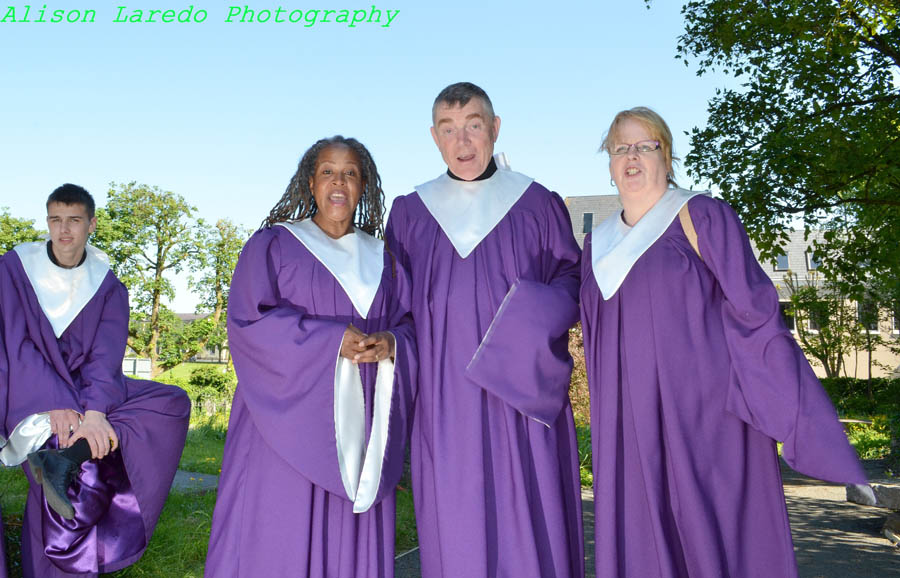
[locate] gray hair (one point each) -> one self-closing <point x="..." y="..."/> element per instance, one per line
<point x="459" y="94"/>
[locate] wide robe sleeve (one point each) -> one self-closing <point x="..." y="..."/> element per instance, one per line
<point x="524" y="355"/>
<point x="32" y="383"/>
<point x="771" y="387"/>
<point x="102" y="384"/>
<point x="305" y="400"/>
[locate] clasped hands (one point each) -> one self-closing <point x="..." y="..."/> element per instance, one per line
<point x="361" y="348"/>
<point x="69" y="427"/>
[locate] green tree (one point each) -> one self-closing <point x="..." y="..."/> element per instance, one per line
<point x="825" y="320"/>
<point x="147" y="233"/>
<point x="14" y="231"/>
<point x="813" y="132"/>
<point x="220" y="247"/>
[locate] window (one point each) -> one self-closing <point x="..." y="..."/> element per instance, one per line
<point x="588" y="223"/>
<point x="786" y="315"/>
<point x="812" y="261"/>
<point x="781" y="262"/>
<point x="867" y="315"/>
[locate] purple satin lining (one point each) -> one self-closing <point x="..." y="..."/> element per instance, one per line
<point x="107" y="527"/>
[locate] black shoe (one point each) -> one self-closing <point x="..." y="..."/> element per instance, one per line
<point x="55" y="473"/>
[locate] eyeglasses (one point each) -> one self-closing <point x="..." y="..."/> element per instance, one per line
<point x="644" y="146"/>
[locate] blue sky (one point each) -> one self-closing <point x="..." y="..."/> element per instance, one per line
<point x="221" y="112"/>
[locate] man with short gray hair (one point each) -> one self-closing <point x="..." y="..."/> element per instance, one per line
<point x="495" y="279"/>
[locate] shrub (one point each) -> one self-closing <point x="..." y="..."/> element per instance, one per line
<point x="211" y="387"/>
<point x="211" y="377"/>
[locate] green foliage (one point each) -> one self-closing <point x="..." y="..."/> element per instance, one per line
<point x="877" y="400"/>
<point x="585" y="464"/>
<point x="180" y="540"/>
<point x="212" y="385"/>
<point x="872" y="441"/>
<point x="147" y="232"/>
<point x="851" y="397"/>
<point x="205" y="443"/>
<point x="406" y="537"/>
<point x="813" y="133"/>
<point x="14" y="231"/>
<point x="180" y="340"/>
<point x="220" y="246"/>
<point x="212" y="377"/>
<point x="578" y="387"/>
<point x="822" y="304"/>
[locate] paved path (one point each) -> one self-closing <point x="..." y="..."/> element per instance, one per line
<point x="194" y="482"/>
<point x="833" y="538"/>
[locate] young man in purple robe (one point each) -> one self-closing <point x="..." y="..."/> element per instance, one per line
<point x="494" y="270"/>
<point x="111" y="444"/>
<point x="324" y="351"/>
<point x="693" y="376"/>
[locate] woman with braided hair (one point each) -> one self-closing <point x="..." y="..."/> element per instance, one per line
<point x="324" y="352"/>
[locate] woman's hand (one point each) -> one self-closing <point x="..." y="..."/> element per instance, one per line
<point x="350" y="346"/>
<point x="377" y="346"/>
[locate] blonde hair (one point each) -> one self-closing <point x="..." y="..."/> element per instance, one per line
<point x="657" y="128"/>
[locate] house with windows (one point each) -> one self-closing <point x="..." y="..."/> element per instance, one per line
<point x="589" y="211"/>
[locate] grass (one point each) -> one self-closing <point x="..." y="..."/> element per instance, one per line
<point x="183" y="371"/>
<point x="179" y="543"/>
<point x="406" y="536"/>
<point x="205" y="444"/>
<point x="178" y="547"/>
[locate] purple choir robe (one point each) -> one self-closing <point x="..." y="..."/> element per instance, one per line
<point x="693" y="376"/>
<point x="282" y="509"/>
<point x="117" y="500"/>
<point x="493" y="449"/>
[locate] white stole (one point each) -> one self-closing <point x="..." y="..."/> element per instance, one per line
<point x="616" y="247"/>
<point x="356" y="260"/>
<point x="62" y="293"/>
<point x="468" y="210"/>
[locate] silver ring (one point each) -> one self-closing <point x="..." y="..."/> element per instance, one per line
<point x="71" y="429"/>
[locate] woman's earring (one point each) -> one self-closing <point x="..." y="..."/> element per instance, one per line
<point x="612" y="183"/>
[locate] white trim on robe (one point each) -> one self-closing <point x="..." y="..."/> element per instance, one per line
<point x="62" y="293"/>
<point x="616" y="247"/>
<point x="356" y="260"/>
<point x="370" y="480"/>
<point x="349" y="423"/>
<point x="361" y="473"/>
<point x="467" y="211"/>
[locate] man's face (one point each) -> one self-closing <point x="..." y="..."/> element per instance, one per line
<point x="69" y="227"/>
<point x="465" y="137"/>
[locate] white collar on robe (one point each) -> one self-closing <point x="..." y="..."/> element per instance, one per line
<point x="62" y="293"/>
<point x="356" y="260"/>
<point x="616" y="247"/>
<point x="468" y="210"/>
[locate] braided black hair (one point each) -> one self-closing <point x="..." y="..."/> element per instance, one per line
<point x="298" y="202"/>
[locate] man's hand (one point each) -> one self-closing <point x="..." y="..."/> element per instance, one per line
<point x="350" y="346"/>
<point x="62" y="423"/>
<point x="98" y="433"/>
<point x="377" y="346"/>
